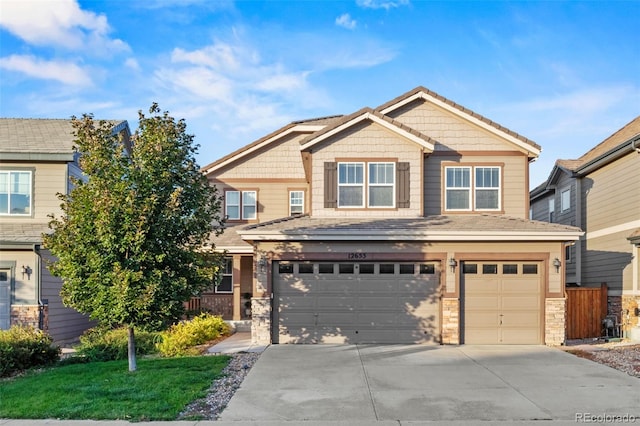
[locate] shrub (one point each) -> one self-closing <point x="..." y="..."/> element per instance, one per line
<point x="25" y="347"/>
<point x="100" y="344"/>
<point x="182" y="338"/>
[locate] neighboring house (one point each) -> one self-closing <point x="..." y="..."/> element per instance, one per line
<point x="600" y="193"/>
<point x="407" y="223"/>
<point x="36" y="161"/>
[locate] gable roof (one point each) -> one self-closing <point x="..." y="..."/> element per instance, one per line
<point x="430" y="228"/>
<point x="532" y="148"/>
<point x="624" y="140"/>
<point x="368" y="114"/>
<point x="40" y="138"/>
<point x="301" y="126"/>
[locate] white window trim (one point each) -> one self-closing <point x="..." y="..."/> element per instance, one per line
<point x="291" y="205"/>
<point x="8" y="172"/>
<point x="223" y="274"/>
<point x="382" y="185"/>
<point x="469" y="189"/>
<point x="564" y="208"/>
<point x="353" y="185"/>
<point x="241" y="205"/>
<point x="255" y="205"/>
<point x="226" y="205"/>
<point x="476" y="189"/>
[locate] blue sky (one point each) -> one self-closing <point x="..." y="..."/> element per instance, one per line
<point x="565" y="74"/>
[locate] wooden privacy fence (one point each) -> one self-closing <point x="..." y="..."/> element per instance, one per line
<point x="586" y="308"/>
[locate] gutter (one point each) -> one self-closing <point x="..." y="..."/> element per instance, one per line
<point x="41" y="303"/>
<point x="630" y="145"/>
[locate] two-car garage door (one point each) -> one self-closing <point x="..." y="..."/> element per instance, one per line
<point x="356" y="302"/>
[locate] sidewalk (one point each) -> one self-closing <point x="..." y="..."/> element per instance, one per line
<point x="237" y="342"/>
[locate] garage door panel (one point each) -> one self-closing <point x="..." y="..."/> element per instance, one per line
<point x="502" y="308"/>
<point x="357" y="308"/>
<point x="519" y="302"/>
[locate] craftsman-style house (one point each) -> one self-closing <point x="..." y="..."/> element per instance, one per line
<point x="407" y="223"/>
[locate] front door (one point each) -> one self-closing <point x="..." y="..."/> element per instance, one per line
<point x="5" y="298"/>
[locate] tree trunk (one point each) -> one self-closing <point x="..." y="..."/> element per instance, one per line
<point x="131" y="350"/>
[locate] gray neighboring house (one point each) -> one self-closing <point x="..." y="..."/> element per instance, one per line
<point x="600" y="193"/>
<point x="36" y="161"/>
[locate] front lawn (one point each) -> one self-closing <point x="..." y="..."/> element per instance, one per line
<point x="158" y="390"/>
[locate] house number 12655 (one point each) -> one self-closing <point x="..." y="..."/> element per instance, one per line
<point x="356" y="256"/>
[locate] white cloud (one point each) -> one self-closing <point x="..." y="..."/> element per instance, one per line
<point x="60" y="23"/>
<point x="63" y="72"/>
<point x="132" y="64"/>
<point x="345" y="21"/>
<point x="381" y="4"/>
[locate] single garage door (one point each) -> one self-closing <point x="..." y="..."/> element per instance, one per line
<point x="377" y="302"/>
<point x="502" y="302"/>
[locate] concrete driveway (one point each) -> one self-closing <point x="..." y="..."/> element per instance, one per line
<point x="367" y="383"/>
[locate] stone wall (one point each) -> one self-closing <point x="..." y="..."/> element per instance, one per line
<point x="450" y="321"/>
<point x="629" y="304"/>
<point x="26" y="315"/>
<point x="260" y="321"/>
<point x="554" y="321"/>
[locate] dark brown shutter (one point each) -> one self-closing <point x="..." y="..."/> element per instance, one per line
<point x="402" y="185"/>
<point x="330" y="185"/>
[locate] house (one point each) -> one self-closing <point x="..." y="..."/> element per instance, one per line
<point x="407" y="223"/>
<point x="36" y="161"/>
<point x="599" y="192"/>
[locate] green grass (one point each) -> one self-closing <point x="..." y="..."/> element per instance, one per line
<point x="159" y="390"/>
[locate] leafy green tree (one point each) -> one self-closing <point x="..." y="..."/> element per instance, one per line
<point x="131" y="243"/>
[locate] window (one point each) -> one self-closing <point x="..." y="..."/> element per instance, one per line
<point x="305" y="268"/>
<point x="568" y="253"/>
<point x="510" y="269"/>
<point x="530" y="213"/>
<point x="487" y="188"/>
<point x="296" y="202"/>
<point x="351" y="185"/>
<point x="225" y="277"/>
<point x="469" y="268"/>
<point x="234" y="206"/>
<point x="565" y="200"/>
<point x="552" y="209"/>
<point x="406" y="269"/>
<point x="387" y="268"/>
<point x="345" y="268"/>
<point x="529" y="269"/>
<point x="15" y="193"/>
<point x="490" y="268"/>
<point x="381" y="184"/>
<point x="428" y="268"/>
<point x="366" y="268"/>
<point x="464" y="193"/>
<point x="285" y="268"/>
<point x="325" y="268"/>
<point x="458" y="188"/>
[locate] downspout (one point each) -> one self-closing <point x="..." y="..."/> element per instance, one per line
<point x="41" y="303"/>
<point x="579" y="224"/>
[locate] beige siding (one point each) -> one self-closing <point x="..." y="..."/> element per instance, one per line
<point x="65" y="324"/>
<point x="273" y="197"/>
<point x="48" y="180"/>
<point x="514" y="182"/>
<point x="449" y="130"/>
<point x="24" y="288"/>
<point x="366" y="141"/>
<point x="282" y="160"/>
<point x="611" y="195"/>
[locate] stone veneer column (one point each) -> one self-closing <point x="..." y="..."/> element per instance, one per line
<point x="25" y="315"/>
<point x="260" y="321"/>
<point x="554" y="321"/>
<point x="630" y="322"/>
<point x="450" y="321"/>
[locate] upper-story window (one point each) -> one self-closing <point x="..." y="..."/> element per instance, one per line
<point x="367" y="184"/>
<point x="552" y="208"/>
<point x="565" y="199"/>
<point x="296" y="202"/>
<point x="350" y="184"/>
<point x="379" y="187"/>
<point x="240" y="205"/>
<point x="470" y="188"/>
<point x="15" y="193"/>
<point x="382" y="184"/>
